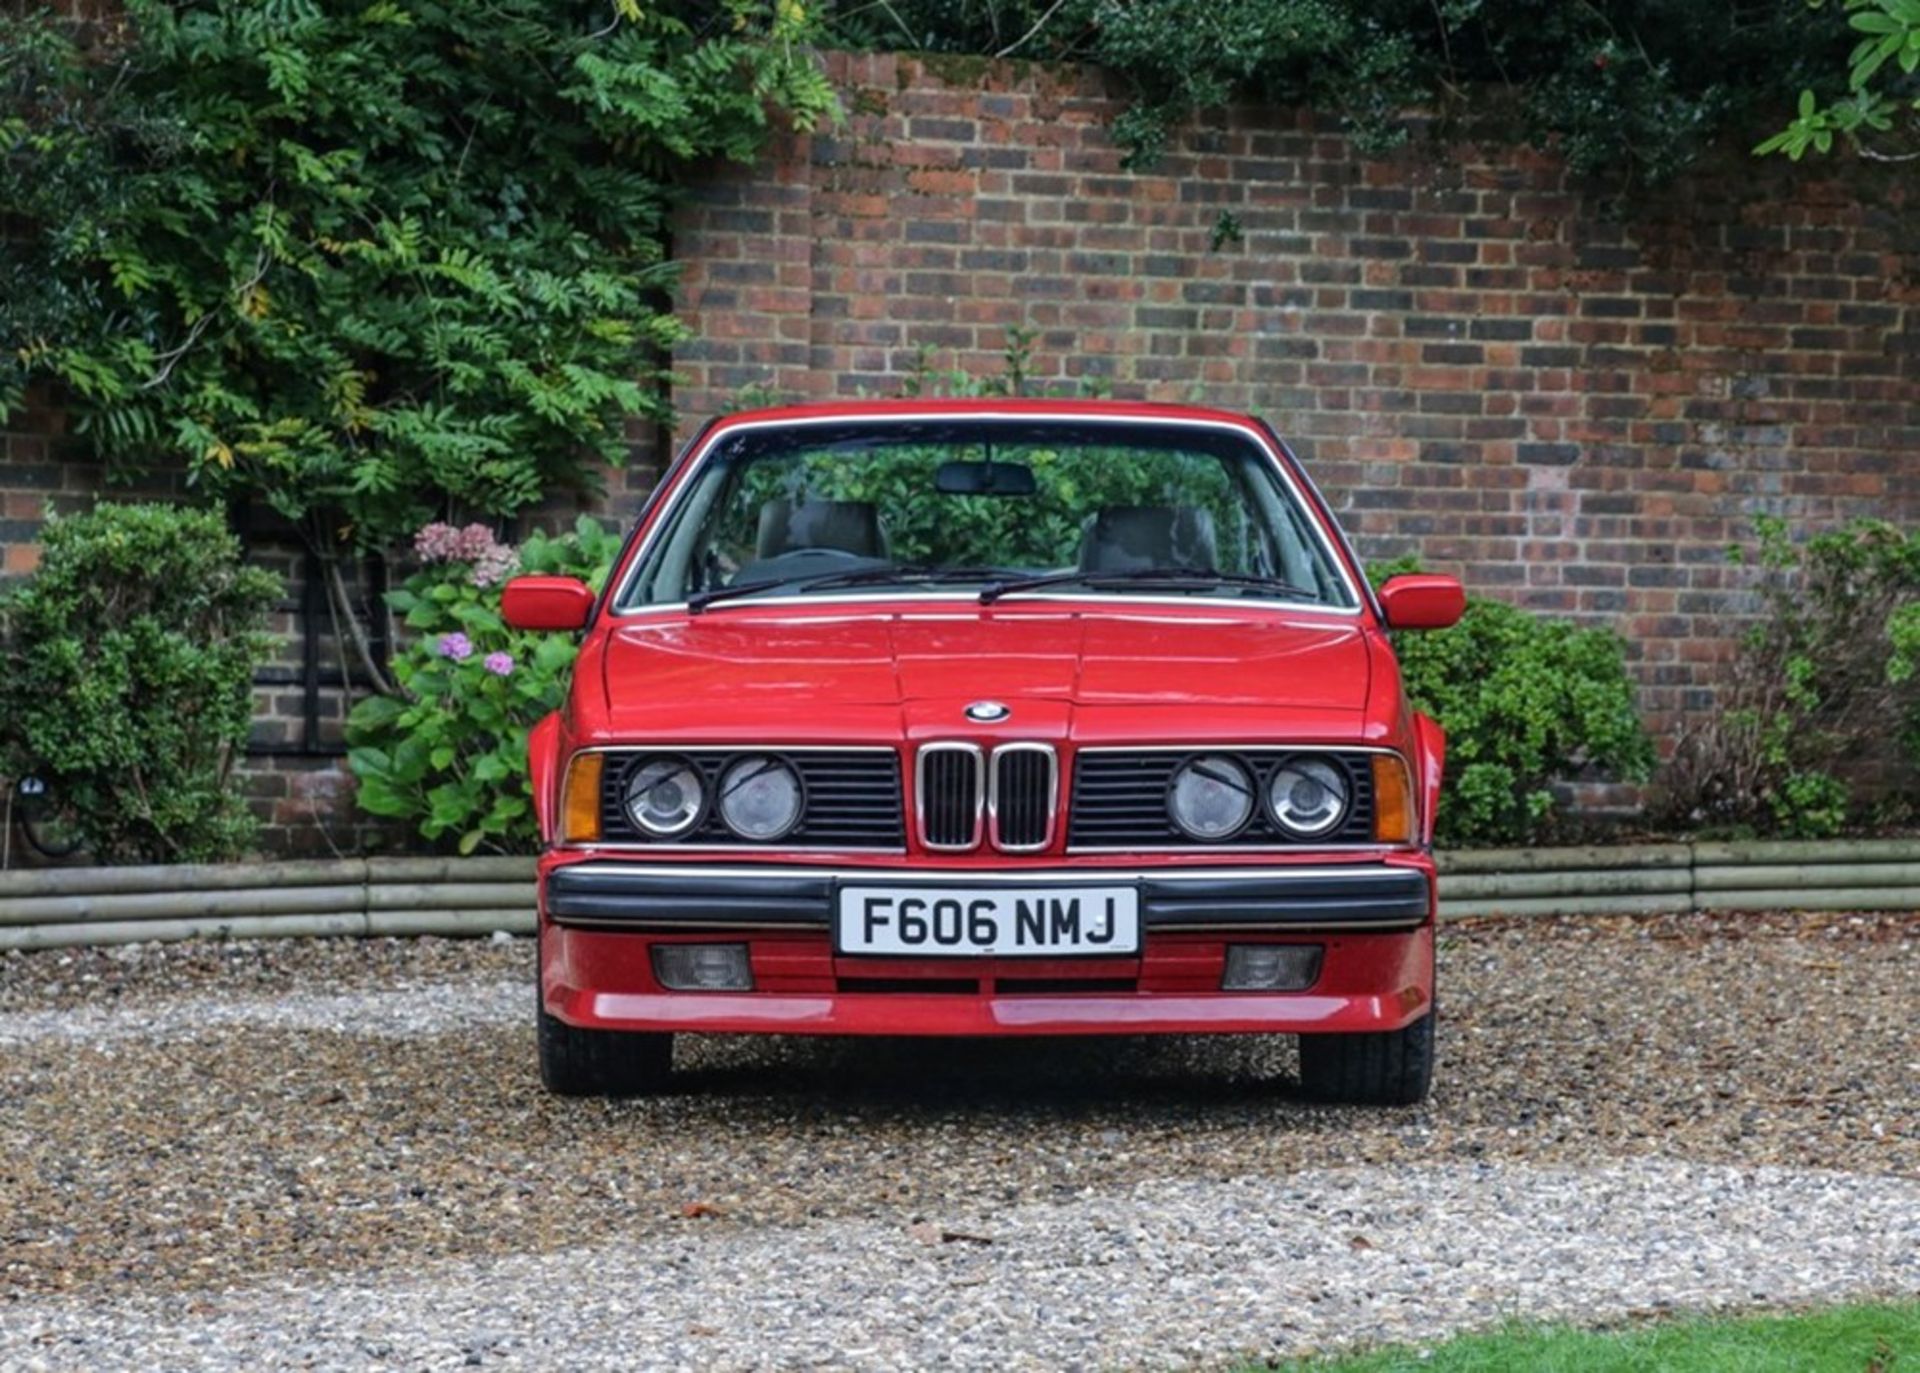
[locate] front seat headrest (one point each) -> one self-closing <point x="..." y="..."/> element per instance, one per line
<point x="1123" y="538"/>
<point x="851" y="526"/>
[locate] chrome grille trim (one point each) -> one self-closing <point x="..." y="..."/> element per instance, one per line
<point x="950" y="795"/>
<point x="1021" y="814"/>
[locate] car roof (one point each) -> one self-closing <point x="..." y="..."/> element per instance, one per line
<point x="1025" y="407"/>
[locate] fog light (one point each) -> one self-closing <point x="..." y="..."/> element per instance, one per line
<point x="703" y="967"/>
<point x="1271" y="967"/>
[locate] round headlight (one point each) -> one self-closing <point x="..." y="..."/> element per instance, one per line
<point x="1308" y="796"/>
<point x="1211" y="797"/>
<point x="760" y="797"/>
<point x="665" y="797"/>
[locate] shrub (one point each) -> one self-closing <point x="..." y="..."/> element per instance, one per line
<point x="129" y="663"/>
<point x="1526" y="702"/>
<point x="451" y="756"/>
<point x="1823" y="696"/>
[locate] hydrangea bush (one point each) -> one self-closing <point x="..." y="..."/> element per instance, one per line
<point x="450" y="755"/>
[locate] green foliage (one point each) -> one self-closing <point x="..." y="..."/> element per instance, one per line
<point x="368" y="262"/>
<point x="1883" y="85"/>
<point x="129" y="660"/>
<point x="1824" y="700"/>
<point x="1526" y="702"/>
<point x="926" y="527"/>
<point x="1636" y="88"/>
<point x="1014" y="378"/>
<point x="452" y="755"/>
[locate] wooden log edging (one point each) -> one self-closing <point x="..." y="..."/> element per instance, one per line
<point x="65" y="907"/>
<point x="52" y="908"/>
<point x="1652" y="879"/>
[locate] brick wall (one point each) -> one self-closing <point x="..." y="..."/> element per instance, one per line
<point x="1574" y="405"/>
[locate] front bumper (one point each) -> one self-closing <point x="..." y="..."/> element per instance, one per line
<point x="601" y="917"/>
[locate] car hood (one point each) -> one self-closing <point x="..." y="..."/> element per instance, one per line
<point x="744" y="665"/>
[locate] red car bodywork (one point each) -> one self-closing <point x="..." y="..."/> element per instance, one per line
<point x="1079" y="671"/>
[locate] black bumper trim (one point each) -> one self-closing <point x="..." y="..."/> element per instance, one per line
<point x="1380" y="896"/>
<point x="606" y="896"/>
<point x="593" y="894"/>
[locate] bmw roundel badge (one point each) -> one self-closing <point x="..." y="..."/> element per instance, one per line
<point x="987" y="712"/>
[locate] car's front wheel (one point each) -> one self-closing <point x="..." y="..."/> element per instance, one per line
<point x="577" y="1062"/>
<point x="1387" y="1068"/>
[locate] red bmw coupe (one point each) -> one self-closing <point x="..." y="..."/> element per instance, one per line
<point x="987" y="718"/>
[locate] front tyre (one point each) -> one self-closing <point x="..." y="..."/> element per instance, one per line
<point x="1385" y="1068"/>
<point x="576" y="1062"/>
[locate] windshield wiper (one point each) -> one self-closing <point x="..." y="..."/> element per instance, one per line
<point x="864" y="576"/>
<point x="1180" y="578"/>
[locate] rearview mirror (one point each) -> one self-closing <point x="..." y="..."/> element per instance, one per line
<point x="1422" y="600"/>
<point x="547" y="603"/>
<point x="984" y="479"/>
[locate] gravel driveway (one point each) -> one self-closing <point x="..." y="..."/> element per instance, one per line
<point x="334" y="1154"/>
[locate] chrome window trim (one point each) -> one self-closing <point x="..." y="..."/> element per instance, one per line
<point x="920" y="793"/>
<point x="993" y="794"/>
<point x="841" y="601"/>
<point x="619" y="610"/>
<point x="745" y="846"/>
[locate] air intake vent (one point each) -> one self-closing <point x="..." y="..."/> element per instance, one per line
<point x="1022" y="796"/>
<point x="951" y="796"/>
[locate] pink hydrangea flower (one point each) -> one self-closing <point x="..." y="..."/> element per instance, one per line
<point x="456" y="646"/>
<point x="436" y="543"/>
<point x="499" y="664"/>
<point x="491" y="560"/>
<point x="492" y="567"/>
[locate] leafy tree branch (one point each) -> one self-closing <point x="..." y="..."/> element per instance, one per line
<point x="1880" y="113"/>
<point x="368" y="264"/>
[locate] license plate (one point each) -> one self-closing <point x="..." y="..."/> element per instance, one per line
<point x="920" y="922"/>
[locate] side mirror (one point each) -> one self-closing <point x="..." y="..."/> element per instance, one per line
<point x="547" y="603"/>
<point x="1422" y="600"/>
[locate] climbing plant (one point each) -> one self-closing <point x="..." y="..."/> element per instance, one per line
<point x="1636" y="89"/>
<point x="368" y="263"/>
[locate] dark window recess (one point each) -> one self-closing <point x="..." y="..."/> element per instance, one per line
<point x="325" y="691"/>
<point x="1120" y="801"/>
<point x="852" y="800"/>
<point x="950" y="797"/>
<point x="1022" y="796"/>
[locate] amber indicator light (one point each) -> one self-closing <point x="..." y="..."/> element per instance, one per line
<point x="1392" y="801"/>
<point x="580" y="821"/>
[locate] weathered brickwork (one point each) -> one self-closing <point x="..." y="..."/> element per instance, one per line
<point x="1482" y="362"/>
<point x="1575" y="405"/>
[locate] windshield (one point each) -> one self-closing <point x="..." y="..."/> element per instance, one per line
<point x="870" y="508"/>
